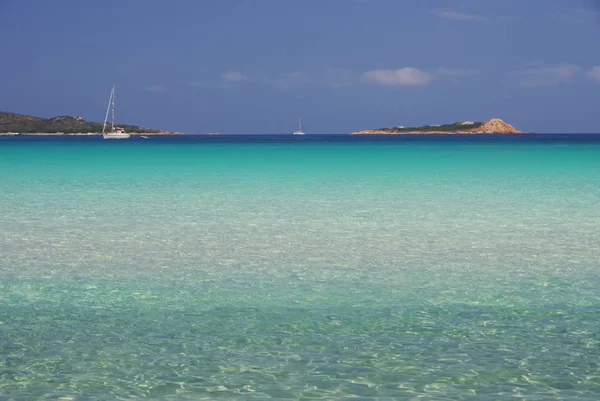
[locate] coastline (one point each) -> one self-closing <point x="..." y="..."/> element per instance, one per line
<point x="84" y="133"/>
<point x="378" y="132"/>
<point x="492" y="126"/>
<point x="12" y="124"/>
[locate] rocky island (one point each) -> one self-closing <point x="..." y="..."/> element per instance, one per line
<point x="14" y="124"/>
<point x="493" y="126"/>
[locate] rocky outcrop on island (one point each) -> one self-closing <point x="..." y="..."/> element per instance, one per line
<point x="496" y="126"/>
<point x="11" y="124"/>
<point x="493" y="126"/>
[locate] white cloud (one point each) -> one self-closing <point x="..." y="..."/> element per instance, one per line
<point x="155" y="88"/>
<point x="595" y="73"/>
<point x="458" y="16"/>
<point x="547" y="75"/>
<point x="400" y="77"/>
<point x="233" y="76"/>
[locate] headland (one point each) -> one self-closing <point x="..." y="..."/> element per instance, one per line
<point x="493" y="126"/>
<point x="15" y="124"/>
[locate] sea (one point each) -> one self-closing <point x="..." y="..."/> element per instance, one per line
<point x="316" y="267"/>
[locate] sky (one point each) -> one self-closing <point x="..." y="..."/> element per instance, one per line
<point x="256" y="66"/>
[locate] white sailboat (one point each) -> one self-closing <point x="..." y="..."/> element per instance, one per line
<point x="299" y="132"/>
<point x="115" y="132"/>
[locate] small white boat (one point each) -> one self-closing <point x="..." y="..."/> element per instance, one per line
<point x="115" y="132"/>
<point x="143" y="137"/>
<point x="299" y="132"/>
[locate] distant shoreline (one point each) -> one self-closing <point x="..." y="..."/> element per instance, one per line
<point x="21" y="124"/>
<point x="493" y="126"/>
<point x="166" y="133"/>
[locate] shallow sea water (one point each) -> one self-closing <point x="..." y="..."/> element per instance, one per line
<point x="313" y="268"/>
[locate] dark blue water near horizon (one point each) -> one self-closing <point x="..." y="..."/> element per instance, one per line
<point x="312" y="138"/>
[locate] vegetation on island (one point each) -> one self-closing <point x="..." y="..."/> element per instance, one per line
<point x="457" y="126"/>
<point x="493" y="126"/>
<point x="19" y="123"/>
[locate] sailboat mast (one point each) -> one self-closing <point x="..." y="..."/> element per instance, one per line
<point x="112" y="124"/>
<point x="300" y="124"/>
<point x="110" y="99"/>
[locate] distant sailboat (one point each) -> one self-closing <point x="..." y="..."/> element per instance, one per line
<point x="115" y="132"/>
<point x="299" y="132"/>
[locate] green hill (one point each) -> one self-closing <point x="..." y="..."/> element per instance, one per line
<point x="11" y="122"/>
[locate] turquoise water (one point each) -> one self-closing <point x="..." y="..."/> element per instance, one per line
<point x="337" y="269"/>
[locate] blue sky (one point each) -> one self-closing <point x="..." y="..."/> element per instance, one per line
<point x="255" y="66"/>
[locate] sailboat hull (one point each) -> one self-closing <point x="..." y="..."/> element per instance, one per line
<point x="115" y="136"/>
<point x="299" y="132"/>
